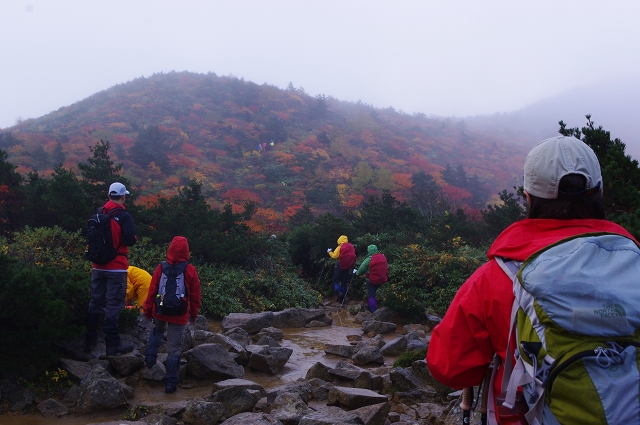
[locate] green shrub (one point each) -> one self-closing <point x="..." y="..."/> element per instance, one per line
<point x="145" y="255"/>
<point x="232" y="290"/>
<point x="406" y="359"/>
<point x="423" y="279"/>
<point x="44" y="246"/>
<point x="41" y="306"/>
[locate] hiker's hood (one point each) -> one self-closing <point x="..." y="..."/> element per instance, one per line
<point x="372" y="249"/>
<point x="524" y="237"/>
<point x="178" y="250"/>
<point x="342" y="239"/>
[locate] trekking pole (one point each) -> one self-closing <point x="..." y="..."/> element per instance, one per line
<point x="486" y="386"/>
<point x="324" y="263"/>
<point x="346" y="292"/>
<point x="465" y="405"/>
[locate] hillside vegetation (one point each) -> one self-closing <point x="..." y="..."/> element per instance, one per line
<point x="280" y="149"/>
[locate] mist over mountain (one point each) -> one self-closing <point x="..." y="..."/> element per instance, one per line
<point x="612" y="104"/>
<point x="282" y="148"/>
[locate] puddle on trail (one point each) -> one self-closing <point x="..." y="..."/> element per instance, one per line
<point x="307" y="345"/>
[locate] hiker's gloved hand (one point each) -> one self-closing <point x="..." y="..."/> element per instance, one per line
<point x="355" y="271"/>
<point x="329" y="249"/>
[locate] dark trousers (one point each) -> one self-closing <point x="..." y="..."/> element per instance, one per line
<point x="340" y="278"/>
<point x="108" y="292"/>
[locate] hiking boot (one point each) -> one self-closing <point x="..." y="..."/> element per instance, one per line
<point x="120" y="349"/>
<point x="170" y="389"/>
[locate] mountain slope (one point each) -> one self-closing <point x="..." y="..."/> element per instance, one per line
<point x="278" y="148"/>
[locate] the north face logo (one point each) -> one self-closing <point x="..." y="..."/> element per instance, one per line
<point x="611" y="310"/>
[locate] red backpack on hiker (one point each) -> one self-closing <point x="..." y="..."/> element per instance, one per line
<point x="378" y="269"/>
<point x="347" y="256"/>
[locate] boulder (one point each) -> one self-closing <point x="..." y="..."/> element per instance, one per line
<point x="378" y="327"/>
<point x="201" y="412"/>
<point x="234" y="400"/>
<point x="126" y="364"/>
<point x="367" y="355"/>
<point x="289" y="408"/>
<point x="212" y="361"/>
<point x="268" y="359"/>
<point x="253" y="419"/>
<point x="341" y="350"/>
<point x="354" y="398"/>
<point x="331" y="416"/>
<point x="75" y="369"/>
<point x="299" y="317"/>
<point x="242" y="383"/>
<point x="251" y="323"/>
<point x="375" y="414"/>
<point x="319" y="371"/>
<point x="51" y="408"/>
<point x="99" y="390"/>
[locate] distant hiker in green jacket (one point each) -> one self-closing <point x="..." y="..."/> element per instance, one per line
<point x="376" y="269"/>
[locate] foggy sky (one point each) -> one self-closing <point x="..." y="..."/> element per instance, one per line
<point x="440" y="58"/>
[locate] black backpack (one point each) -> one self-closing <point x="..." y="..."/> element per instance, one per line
<point x="171" y="299"/>
<point x="100" y="249"/>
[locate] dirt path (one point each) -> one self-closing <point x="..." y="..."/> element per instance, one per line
<point x="307" y="345"/>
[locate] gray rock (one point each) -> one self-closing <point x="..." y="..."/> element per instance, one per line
<point x="202" y="324"/>
<point x="252" y="323"/>
<point x="269" y="359"/>
<point x="340" y="350"/>
<point x="72" y="394"/>
<point x="17" y="396"/>
<point x="75" y="369"/>
<point x="274" y="333"/>
<point x="302" y="388"/>
<point x="378" y="327"/>
<point x="289" y="408"/>
<point x="51" y="408"/>
<point x="317" y="324"/>
<point x="200" y="412"/>
<point x="431" y="413"/>
<point x="319" y="371"/>
<point x="320" y="389"/>
<point x="268" y="341"/>
<point x="367" y="355"/>
<point x="416" y="345"/>
<point x="421" y="371"/>
<point x="417" y="395"/>
<point x="234" y="400"/>
<point x="212" y="361"/>
<point x="253" y="419"/>
<point x="155" y="372"/>
<point x="99" y="390"/>
<point x="331" y="416"/>
<point x="242" y="383"/>
<point x="375" y="414"/>
<point x="354" y="398"/>
<point x="126" y="364"/>
<point x="299" y="317"/>
<point x="383" y="314"/>
<point x="403" y="380"/>
<point x="395" y="347"/>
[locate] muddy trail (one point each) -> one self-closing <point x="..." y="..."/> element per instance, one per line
<point x="308" y="349"/>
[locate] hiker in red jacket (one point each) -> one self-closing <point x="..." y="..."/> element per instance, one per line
<point x="345" y="253"/>
<point x="175" y="326"/>
<point x="563" y="188"/>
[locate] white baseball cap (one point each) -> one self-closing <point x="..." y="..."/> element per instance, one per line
<point x="117" y="189"/>
<point x="552" y="159"/>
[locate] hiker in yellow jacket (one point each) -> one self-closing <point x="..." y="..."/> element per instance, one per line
<point x="138" y="281"/>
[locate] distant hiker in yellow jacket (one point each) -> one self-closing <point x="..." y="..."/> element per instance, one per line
<point x="138" y="281"/>
<point x="345" y="253"/>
